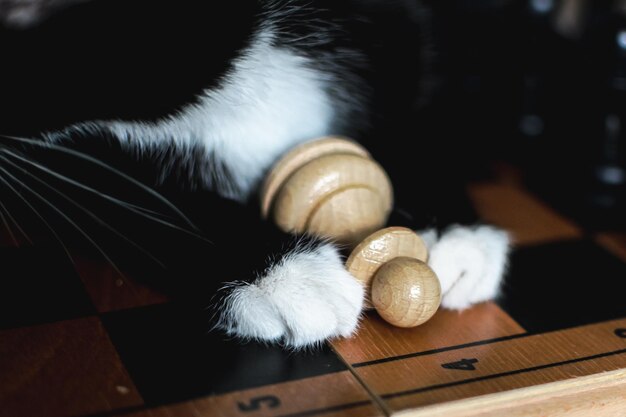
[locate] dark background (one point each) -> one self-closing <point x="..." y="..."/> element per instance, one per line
<point x="540" y="85"/>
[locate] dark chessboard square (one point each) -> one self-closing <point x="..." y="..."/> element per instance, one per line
<point x="564" y="284"/>
<point x="171" y="356"/>
<point x="109" y="290"/>
<point x="67" y="368"/>
<point x="39" y="285"/>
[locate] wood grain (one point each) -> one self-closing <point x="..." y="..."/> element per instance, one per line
<point x="406" y="292"/>
<point x="376" y="339"/>
<point x="446" y="375"/>
<point x="602" y="394"/>
<point x="67" y="368"/>
<point x="300" y="156"/>
<point x="337" y="394"/>
<point x="342" y="196"/>
<point x="380" y="247"/>
<point x="528" y="220"/>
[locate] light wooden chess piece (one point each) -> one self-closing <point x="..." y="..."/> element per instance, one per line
<point x="332" y="187"/>
<point x="391" y="264"/>
<point x="328" y="187"/>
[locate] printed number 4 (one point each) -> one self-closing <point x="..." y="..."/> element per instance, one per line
<point x="462" y="365"/>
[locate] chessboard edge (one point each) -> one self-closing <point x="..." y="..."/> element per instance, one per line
<point x="555" y="399"/>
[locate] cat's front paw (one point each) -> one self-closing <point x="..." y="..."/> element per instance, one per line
<point x="301" y="300"/>
<point x="470" y="263"/>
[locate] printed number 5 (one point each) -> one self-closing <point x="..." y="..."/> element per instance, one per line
<point x="257" y="403"/>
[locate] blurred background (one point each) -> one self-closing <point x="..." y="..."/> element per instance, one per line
<point x="540" y="86"/>
<point x="536" y="86"/>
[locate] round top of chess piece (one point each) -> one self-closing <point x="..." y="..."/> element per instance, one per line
<point x="380" y="247"/>
<point x="406" y="292"/>
<point x="329" y="187"/>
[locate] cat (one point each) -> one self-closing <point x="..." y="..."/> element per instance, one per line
<point x="146" y="128"/>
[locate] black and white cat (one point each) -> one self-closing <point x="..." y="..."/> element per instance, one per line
<point x="105" y="98"/>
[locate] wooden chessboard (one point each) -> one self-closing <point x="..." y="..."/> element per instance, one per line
<point x="81" y="341"/>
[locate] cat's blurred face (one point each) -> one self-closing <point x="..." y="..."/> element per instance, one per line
<point x="77" y="60"/>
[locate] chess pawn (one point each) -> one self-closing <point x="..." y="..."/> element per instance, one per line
<point x="391" y="264"/>
<point x="329" y="187"/>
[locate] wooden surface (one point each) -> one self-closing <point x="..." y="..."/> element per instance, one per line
<point x="65" y="368"/>
<point x="600" y="394"/>
<point x="380" y="247"/>
<point x="126" y="350"/>
<point x="331" y="395"/>
<point x="615" y="242"/>
<point x="406" y="292"/>
<point x="109" y="291"/>
<point x="300" y="156"/>
<point x="342" y="196"/>
<point x="494" y="366"/>
<point x="329" y="187"/>
<point x="528" y="220"/>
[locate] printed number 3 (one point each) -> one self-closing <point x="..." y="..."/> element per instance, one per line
<point x="257" y="403"/>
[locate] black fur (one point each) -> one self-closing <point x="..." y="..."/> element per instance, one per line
<point x="142" y="60"/>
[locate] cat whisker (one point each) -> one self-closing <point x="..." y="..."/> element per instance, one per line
<point x="84" y="209"/>
<point x="101" y="164"/>
<point x="7" y="227"/>
<point x="54" y="233"/>
<point x="70" y="221"/>
<point x="135" y="209"/>
<point x="132" y="207"/>
<point x="54" y="147"/>
<point x="17" y="225"/>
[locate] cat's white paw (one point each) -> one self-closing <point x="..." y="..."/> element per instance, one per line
<point x="305" y="298"/>
<point x="470" y="263"/>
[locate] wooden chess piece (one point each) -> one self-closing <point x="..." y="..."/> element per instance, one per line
<point x="391" y="264"/>
<point x="329" y="187"/>
<point x="332" y="187"/>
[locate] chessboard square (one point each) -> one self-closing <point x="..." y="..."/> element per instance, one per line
<point x="39" y="285"/>
<point x="614" y="243"/>
<point x="563" y="284"/>
<point x="530" y="360"/>
<point x="110" y="291"/>
<point x="172" y="356"/>
<point x="379" y="341"/>
<point x="528" y="220"/>
<point x="337" y="394"/>
<point x="67" y="368"/>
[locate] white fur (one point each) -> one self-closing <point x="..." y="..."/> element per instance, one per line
<point x="270" y="101"/>
<point x="429" y="236"/>
<point x="302" y="300"/>
<point x="470" y="263"/>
